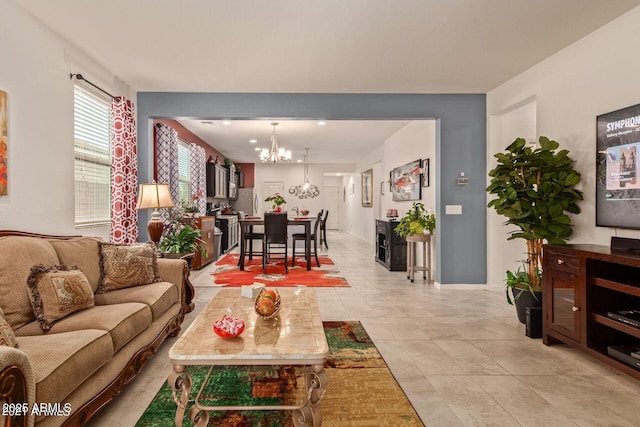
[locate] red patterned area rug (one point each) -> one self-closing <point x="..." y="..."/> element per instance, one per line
<point x="227" y="273"/>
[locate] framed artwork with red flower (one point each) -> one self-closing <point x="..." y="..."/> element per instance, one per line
<point x="405" y="182"/>
<point x="4" y="143"/>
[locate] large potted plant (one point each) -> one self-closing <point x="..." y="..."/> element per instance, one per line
<point x="182" y="240"/>
<point x="417" y="220"/>
<point x="180" y="237"/>
<point x="534" y="188"/>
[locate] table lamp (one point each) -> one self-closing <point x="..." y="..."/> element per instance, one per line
<point x="154" y="196"/>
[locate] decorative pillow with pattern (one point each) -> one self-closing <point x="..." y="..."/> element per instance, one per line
<point x="7" y="336"/>
<point x="125" y="266"/>
<point x="58" y="291"/>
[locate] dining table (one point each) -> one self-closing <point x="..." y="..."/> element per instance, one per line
<point x="247" y="224"/>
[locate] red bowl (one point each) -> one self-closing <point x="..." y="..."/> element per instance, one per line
<point x="225" y="334"/>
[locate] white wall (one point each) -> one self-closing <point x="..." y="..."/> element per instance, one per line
<point x="502" y="254"/>
<point x="415" y="141"/>
<point x="412" y="142"/>
<point x="359" y="220"/>
<point x="35" y="74"/>
<point x="293" y="174"/>
<point x="593" y="76"/>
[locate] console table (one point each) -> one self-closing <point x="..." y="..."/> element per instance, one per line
<point x="581" y="285"/>
<point x="391" y="249"/>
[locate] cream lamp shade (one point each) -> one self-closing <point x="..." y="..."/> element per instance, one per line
<point x="154" y="196"/>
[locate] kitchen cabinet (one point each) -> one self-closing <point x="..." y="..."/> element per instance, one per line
<point x="230" y="228"/>
<point x="232" y="189"/>
<point x="217" y="181"/>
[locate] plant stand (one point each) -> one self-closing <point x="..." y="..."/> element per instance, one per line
<point x="412" y="241"/>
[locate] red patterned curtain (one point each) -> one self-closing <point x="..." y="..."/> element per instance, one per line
<point x="124" y="173"/>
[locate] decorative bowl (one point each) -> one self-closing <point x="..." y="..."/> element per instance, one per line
<point x="267" y="303"/>
<point x="304" y="212"/>
<point x="228" y="327"/>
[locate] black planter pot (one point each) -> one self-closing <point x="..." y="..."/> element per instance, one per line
<point x="524" y="300"/>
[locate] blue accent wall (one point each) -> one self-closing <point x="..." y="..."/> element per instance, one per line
<point x="461" y="250"/>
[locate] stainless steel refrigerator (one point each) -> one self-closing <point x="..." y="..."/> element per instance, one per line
<point x="247" y="201"/>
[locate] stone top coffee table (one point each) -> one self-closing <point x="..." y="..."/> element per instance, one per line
<point x="294" y="337"/>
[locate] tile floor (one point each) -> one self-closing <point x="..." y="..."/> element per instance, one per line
<point x="461" y="356"/>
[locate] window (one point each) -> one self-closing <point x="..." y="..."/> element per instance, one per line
<point x="184" y="171"/>
<point x="92" y="159"/>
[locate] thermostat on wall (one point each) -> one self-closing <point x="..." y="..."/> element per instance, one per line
<point x="463" y="180"/>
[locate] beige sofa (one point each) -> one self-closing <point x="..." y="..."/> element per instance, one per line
<point x="65" y="374"/>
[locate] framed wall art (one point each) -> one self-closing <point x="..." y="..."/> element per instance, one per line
<point x="367" y="188"/>
<point x="405" y="182"/>
<point x="425" y="173"/>
<point x="4" y="146"/>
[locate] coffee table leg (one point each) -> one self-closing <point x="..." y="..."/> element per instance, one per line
<point x="316" y="380"/>
<point x="199" y="417"/>
<point x="180" y="383"/>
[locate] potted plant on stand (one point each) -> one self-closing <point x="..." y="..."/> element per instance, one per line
<point x="417" y="220"/>
<point x="276" y="202"/>
<point x="534" y="188"/>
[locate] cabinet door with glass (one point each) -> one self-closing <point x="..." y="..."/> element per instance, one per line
<point x="564" y="298"/>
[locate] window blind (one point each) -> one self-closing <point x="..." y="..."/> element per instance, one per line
<point x="92" y="157"/>
<point x="184" y="171"/>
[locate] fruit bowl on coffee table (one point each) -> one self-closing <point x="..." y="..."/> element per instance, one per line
<point x="267" y="303"/>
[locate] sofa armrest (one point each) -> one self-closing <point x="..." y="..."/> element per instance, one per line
<point x="17" y="388"/>
<point x="174" y="271"/>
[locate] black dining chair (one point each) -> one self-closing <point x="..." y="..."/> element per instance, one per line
<point x="303" y="236"/>
<point x="249" y="237"/>
<point x="323" y="229"/>
<point x="274" y="243"/>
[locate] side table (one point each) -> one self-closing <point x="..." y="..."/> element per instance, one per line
<point x="412" y="241"/>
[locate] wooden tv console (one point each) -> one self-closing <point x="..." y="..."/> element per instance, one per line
<point x="581" y="284"/>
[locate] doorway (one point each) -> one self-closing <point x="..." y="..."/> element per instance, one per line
<point x="332" y="203"/>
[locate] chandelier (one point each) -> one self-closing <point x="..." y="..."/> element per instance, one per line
<point x="306" y="190"/>
<point x="276" y="154"/>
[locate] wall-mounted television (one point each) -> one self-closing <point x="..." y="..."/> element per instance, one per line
<point x="617" y="168"/>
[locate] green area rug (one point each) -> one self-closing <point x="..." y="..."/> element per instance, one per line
<point x="361" y="390"/>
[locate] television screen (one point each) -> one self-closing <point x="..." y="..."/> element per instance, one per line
<point x="617" y="173"/>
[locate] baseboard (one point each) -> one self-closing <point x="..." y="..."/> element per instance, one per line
<point x="461" y="286"/>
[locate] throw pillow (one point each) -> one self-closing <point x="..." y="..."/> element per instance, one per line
<point x="58" y="291"/>
<point x="7" y="336"/>
<point x="125" y="266"/>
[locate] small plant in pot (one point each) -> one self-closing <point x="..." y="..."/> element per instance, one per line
<point x="276" y="202"/>
<point x="417" y="220"/>
<point x="534" y="188"/>
<point x="525" y="294"/>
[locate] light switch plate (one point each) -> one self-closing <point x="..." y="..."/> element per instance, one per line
<point x="453" y="209"/>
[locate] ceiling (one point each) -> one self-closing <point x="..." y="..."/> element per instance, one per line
<point x="321" y="46"/>
<point x="339" y="141"/>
